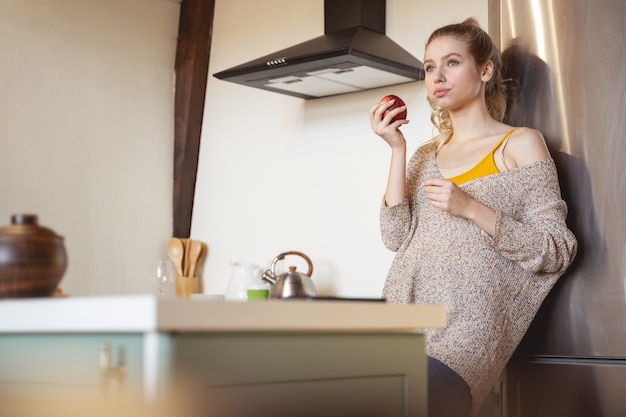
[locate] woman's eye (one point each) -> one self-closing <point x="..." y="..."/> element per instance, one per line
<point x="429" y="68"/>
<point x="453" y="62"/>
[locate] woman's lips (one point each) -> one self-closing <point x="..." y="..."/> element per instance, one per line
<point x="440" y="92"/>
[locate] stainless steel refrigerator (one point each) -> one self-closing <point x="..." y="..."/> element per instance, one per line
<point x="567" y="61"/>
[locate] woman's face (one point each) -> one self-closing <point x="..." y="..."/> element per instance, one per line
<point x="453" y="79"/>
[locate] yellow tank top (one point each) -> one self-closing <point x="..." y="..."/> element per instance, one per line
<point x="486" y="166"/>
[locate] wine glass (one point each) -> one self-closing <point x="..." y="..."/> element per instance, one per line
<point x="164" y="275"/>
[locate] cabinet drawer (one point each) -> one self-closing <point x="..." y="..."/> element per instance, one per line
<point x="69" y="360"/>
<point x="266" y="375"/>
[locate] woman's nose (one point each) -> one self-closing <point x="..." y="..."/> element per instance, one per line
<point x="438" y="76"/>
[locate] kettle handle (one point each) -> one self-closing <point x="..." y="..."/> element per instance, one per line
<point x="293" y="252"/>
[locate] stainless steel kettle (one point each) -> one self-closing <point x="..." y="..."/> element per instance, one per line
<point x="292" y="284"/>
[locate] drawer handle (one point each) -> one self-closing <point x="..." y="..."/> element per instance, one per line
<point x="108" y="372"/>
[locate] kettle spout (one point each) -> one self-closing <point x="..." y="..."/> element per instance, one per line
<point x="269" y="276"/>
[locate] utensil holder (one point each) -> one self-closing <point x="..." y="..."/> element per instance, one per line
<point x="185" y="286"/>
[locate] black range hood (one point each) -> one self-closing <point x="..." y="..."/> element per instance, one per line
<point x="353" y="55"/>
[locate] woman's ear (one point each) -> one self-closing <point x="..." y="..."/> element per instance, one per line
<point x="487" y="71"/>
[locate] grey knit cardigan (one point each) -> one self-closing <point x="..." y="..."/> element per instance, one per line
<point x="492" y="287"/>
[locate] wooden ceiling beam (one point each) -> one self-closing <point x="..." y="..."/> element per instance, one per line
<point x="191" y="67"/>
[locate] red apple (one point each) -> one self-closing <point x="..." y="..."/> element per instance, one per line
<point x="398" y="103"/>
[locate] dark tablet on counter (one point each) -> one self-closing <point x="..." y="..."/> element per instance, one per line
<point x="330" y="298"/>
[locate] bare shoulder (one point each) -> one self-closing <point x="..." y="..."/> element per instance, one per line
<point x="526" y="146"/>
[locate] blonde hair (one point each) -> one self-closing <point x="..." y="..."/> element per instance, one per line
<point x="483" y="49"/>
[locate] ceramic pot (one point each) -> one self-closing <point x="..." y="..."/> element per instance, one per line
<point x="32" y="258"/>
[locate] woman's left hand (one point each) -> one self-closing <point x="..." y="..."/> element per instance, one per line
<point x="447" y="196"/>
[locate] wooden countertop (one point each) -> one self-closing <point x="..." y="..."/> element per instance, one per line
<point x="147" y="313"/>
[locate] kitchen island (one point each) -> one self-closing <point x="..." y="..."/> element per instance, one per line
<point x="240" y="358"/>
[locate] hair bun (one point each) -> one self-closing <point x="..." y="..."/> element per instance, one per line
<point x="471" y="21"/>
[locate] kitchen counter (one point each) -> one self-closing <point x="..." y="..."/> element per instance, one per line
<point x="145" y="313"/>
<point x="331" y="358"/>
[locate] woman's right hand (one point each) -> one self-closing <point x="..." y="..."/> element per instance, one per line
<point x="384" y="127"/>
<point x="390" y="132"/>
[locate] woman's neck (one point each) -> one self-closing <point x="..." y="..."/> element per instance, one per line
<point x="471" y="122"/>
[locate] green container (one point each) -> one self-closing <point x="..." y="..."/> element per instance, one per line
<point x="258" y="294"/>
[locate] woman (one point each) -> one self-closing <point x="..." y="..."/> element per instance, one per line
<point x="476" y="219"/>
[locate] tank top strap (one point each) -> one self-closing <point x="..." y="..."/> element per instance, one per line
<point x="501" y="141"/>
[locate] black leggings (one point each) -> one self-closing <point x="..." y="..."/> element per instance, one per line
<point x="448" y="394"/>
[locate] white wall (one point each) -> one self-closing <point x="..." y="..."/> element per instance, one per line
<point x="279" y="173"/>
<point x="86" y="131"/>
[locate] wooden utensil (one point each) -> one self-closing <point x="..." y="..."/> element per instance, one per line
<point x="183" y="265"/>
<point x="176" y="251"/>
<point x="187" y="243"/>
<point x="196" y="248"/>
